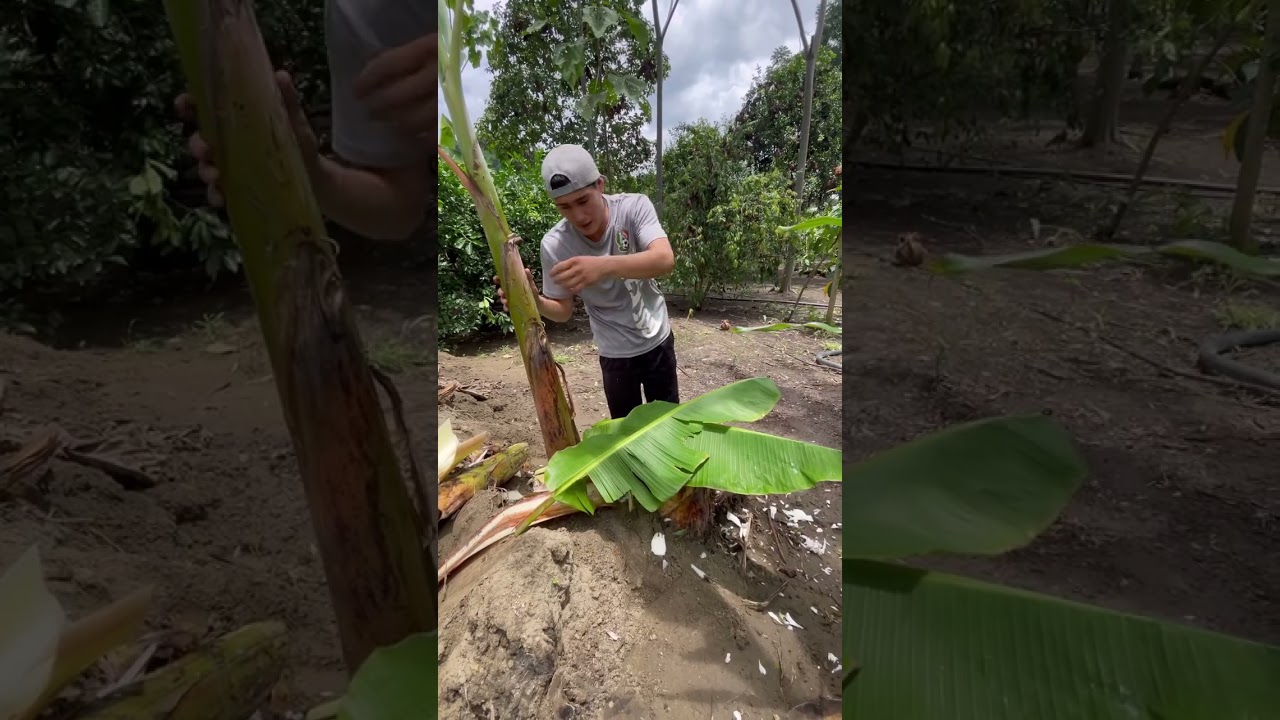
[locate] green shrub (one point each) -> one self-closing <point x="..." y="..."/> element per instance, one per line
<point x="739" y="244"/>
<point x="468" y="300"/>
<point x="89" y="146"/>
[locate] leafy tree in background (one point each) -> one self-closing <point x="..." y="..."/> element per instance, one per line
<point x="936" y="69"/>
<point x="740" y="243"/>
<point x="467" y="297"/>
<point x="721" y="217"/>
<point x="571" y="73"/>
<point x="833" y="32"/>
<point x="767" y="128"/>
<point x="92" y="158"/>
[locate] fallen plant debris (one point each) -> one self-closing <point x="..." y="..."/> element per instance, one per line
<point x="45" y="654"/>
<point x="30" y="462"/>
<point x="495" y="470"/>
<point x="445" y="391"/>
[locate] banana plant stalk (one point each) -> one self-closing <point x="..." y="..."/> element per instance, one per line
<point x="369" y="537"/>
<point x="546" y="377"/>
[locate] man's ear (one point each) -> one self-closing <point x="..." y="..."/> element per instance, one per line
<point x="600" y="183"/>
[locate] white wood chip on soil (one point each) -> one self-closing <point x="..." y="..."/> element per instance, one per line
<point x="701" y="575"/>
<point x="726" y="658"/>
<point x="658" y="544"/>
<point x="737" y="715"/>
<point x="761" y="666"/>
<point x="612" y="635"/>
<point x="797" y="516"/>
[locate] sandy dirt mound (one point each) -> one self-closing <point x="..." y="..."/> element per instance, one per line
<point x="579" y="619"/>
<point x="584" y="621"/>
<point x="223" y="536"/>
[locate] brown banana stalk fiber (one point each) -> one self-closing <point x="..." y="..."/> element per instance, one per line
<point x="231" y="678"/>
<point x="546" y="378"/>
<point x="505" y="523"/>
<point x="370" y="539"/>
<point x="496" y="470"/>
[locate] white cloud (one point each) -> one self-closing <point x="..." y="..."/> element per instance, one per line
<point x="714" y="47"/>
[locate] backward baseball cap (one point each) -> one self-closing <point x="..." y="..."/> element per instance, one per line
<point x="566" y="169"/>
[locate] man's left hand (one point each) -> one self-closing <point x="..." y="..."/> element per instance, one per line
<point x="579" y="272"/>
<point x="399" y="87"/>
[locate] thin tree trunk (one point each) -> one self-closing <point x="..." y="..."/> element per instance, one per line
<point x="811" y="68"/>
<point x="831" y="297"/>
<point x="1241" y="224"/>
<point x="657" y="61"/>
<point x="1101" y="127"/>
<point x="1185" y="91"/>
<point x="369" y="539"/>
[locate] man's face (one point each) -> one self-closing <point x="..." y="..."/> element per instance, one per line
<point x="585" y="208"/>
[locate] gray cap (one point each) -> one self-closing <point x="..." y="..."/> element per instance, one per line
<point x="572" y="162"/>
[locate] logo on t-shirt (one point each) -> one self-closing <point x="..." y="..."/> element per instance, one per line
<point x="624" y="241"/>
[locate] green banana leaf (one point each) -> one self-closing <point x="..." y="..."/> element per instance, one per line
<point x="1056" y="258"/>
<point x="747" y="462"/>
<point x="984" y="488"/>
<point x="1223" y="255"/>
<point x="661" y="447"/>
<point x="1076" y="256"/>
<point x="811" y="223"/>
<point x="398" y="681"/>
<point x="790" y="326"/>
<point x="932" y="646"/>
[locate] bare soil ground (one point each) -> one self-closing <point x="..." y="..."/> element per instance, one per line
<point x="182" y="390"/>
<point x="580" y="619"/>
<point x="1178" y="518"/>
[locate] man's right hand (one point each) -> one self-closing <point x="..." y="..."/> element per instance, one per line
<point x="503" y="296"/>
<point x="200" y="150"/>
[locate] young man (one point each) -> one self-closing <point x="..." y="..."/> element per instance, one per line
<point x="382" y="70"/>
<point x="609" y="250"/>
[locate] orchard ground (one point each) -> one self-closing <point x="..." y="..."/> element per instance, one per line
<point x="1178" y="517"/>
<point x="181" y="389"/>
<point x="580" y="619"/>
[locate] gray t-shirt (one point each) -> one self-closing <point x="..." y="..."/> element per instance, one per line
<point x="357" y="31"/>
<point x="628" y="317"/>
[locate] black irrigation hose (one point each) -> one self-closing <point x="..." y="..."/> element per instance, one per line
<point x="823" y="361"/>
<point x="1212" y="358"/>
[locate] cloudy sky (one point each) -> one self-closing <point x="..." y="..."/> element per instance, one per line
<point x="714" y="47"/>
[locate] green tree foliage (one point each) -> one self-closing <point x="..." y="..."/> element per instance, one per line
<point x="938" y="67"/>
<point x="571" y="73"/>
<point x="740" y="243"/>
<point x="468" y="300"/>
<point x="767" y="128"/>
<point x="93" y="168"/>
<point x="721" y="217"/>
<point x="833" y="31"/>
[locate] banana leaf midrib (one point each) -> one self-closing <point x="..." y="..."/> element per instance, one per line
<point x="558" y="487"/>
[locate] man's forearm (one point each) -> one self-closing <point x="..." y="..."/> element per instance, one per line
<point x="555" y="310"/>
<point x="645" y="265"/>
<point x="379" y="205"/>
